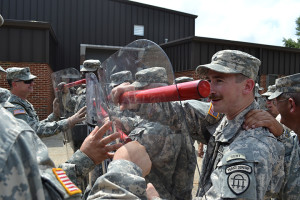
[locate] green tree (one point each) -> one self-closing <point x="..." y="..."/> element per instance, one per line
<point x="291" y="43"/>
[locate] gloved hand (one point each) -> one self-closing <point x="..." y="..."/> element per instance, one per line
<point x="77" y="117"/>
<point x="61" y="87"/>
<point x="56" y="110"/>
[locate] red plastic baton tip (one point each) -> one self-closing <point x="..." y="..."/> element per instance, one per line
<point x="204" y="88"/>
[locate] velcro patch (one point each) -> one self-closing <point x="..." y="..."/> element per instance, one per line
<point x="236" y="156"/>
<point x="19" y="111"/>
<point x="212" y="112"/>
<point x="62" y="177"/>
<point x="235" y="168"/>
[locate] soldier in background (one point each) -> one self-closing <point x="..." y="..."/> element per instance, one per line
<point x="4" y="93"/>
<point x="21" y="82"/>
<point x="260" y="99"/>
<point x="270" y="104"/>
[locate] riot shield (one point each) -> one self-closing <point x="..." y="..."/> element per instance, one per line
<point x="158" y="125"/>
<point x="66" y="84"/>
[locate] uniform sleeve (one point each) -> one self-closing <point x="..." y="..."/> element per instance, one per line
<point x="20" y="171"/>
<point x="122" y="181"/>
<point x="47" y="127"/>
<point x="78" y="167"/>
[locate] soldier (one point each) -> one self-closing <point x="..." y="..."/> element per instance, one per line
<point x="238" y="163"/>
<point x="270" y="104"/>
<point x="21" y="82"/>
<point x="259" y="99"/>
<point x="286" y="97"/>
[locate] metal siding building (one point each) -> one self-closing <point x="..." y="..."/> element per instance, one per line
<point x="97" y="22"/>
<point x="187" y="53"/>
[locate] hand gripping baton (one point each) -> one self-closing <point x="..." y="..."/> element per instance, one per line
<point x="184" y="91"/>
<point x="72" y="84"/>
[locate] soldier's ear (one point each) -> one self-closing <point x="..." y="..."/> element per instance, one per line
<point x="249" y="85"/>
<point x="292" y="105"/>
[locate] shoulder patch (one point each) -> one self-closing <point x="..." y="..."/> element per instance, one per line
<point x="19" y="111"/>
<point x="62" y="177"/>
<point x="212" y="112"/>
<point x="238" y="182"/>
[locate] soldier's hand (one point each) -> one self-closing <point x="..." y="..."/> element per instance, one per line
<point x="61" y="87"/>
<point x="151" y="192"/>
<point x="77" y="117"/>
<point x="96" y="147"/>
<point x="136" y="153"/>
<point x="56" y="110"/>
<point x="262" y="118"/>
<point x="118" y="91"/>
<point x="200" y="150"/>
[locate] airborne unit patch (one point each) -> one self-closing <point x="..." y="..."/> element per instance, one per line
<point x="62" y="177"/>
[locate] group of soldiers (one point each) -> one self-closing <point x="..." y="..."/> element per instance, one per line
<point x="252" y="153"/>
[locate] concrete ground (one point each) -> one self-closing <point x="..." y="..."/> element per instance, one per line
<point x="59" y="153"/>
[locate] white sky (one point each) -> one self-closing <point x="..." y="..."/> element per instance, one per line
<point x="257" y="21"/>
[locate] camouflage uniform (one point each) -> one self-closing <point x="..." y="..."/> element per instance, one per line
<point x="162" y="144"/>
<point x="24" y="109"/>
<point x="238" y="163"/>
<point x="259" y="98"/>
<point x="291" y="187"/>
<point x="24" y="157"/>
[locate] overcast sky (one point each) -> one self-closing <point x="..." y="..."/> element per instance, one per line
<point x="257" y="21"/>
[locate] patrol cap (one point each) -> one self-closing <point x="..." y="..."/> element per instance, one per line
<point x="120" y="77"/>
<point x="150" y="75"/>
<point x="1" y="20"/>
<point x="286" y="84"/>
<point x="19" y="73"/>
<point x="271" y="90"/>
<point x="257" y="89"/>
<point x="232" y="62"/>
<point x="90" y="65"/>
<point x="183" y="79"/>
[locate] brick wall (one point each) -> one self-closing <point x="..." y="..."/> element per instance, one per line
<point x="43" y="95"/>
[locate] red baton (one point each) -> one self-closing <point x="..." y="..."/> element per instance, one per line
<point x="186" y="91"/>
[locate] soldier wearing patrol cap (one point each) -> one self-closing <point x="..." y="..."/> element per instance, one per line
<point x="270" y="104"/>
<point x="286" y="96"/>
<point x="238" y="163"/>
<point x="287" y="100"/>
<point x="183" y="79"/>
<point x="21" y="82"/>
<point x="88" y="66"/>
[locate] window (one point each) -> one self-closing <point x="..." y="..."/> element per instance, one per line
<point x="138" y="30"/>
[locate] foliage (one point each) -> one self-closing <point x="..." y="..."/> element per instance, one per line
<point x="290" y="42"/>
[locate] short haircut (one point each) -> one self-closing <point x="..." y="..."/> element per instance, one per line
<point x="293" y="95"/>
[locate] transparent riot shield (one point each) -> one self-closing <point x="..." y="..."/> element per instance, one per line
<point x="152" y="113"/>
<point x="66" y="82"/>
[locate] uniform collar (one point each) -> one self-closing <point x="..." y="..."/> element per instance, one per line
<point x="227" y="129"/>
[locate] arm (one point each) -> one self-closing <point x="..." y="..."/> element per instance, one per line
<point x="94" y="150"/>
<point x="125" y="174"/>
